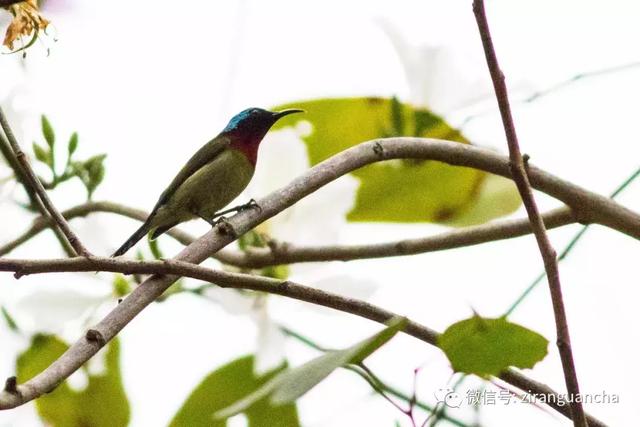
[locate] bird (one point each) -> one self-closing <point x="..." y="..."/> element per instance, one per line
<point x="214" y="176"/>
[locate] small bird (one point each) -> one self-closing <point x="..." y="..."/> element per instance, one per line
<point x="215" y="175"/>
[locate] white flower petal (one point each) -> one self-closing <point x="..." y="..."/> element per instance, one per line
<point x="438" y="79"/>
<point x="97" y="365"/>
<point x="347" y="286"/>
<point x="78" y="381"/>
<point x="53" y="307"/>
<point x="94" y="233"/>
<point x="270" y="342"/>
<point x="336" y="278"/>
<point x="283" y="157"/>
<point x="231" y="301"/>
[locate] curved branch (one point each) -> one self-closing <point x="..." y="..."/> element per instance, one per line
<point x="588" y="205"/>
<point x="42" y="383"/>
<point x="286" y="253"/>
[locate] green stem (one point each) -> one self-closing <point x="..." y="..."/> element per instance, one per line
<point x="568" y="248"/>
<point x="373" y="379"/>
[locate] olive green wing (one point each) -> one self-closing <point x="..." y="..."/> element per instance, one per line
<point x="203" y="156"/>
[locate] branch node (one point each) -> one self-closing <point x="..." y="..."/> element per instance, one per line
<point x="93" y="335"/>
<point x="11" y="386"/>
<point x="284" y="285"/>
<point x="225" y="228"/>
<point x="378" y="149"/>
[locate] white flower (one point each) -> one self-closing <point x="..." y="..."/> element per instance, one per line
<point x="66" y="309"/>
<point x="315" y="220"/>
<point x="438" y="76"/>
<point x="443" y="77"/>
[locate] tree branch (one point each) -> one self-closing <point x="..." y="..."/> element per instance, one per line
<point x="587" y="208"/>
<point x="36" y="203"/>
<point x="48" y="379"/>
<point x="588" y="205"/>
<point x="547" y="251"/>
<point x="36" y="186"/>
<point x="286" y="253"/>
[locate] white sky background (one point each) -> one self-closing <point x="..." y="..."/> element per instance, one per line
<point x="148" y="82"/>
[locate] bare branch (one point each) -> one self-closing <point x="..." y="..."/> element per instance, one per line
<point x="173" y="268"/>
<point x="587" y="208"/>
<point x="549" y="257"/>
<point x="36" y="203"/>
<point x="36" y="186"/>
<point x="587" y="205"/>
<point x="286" y="253"/>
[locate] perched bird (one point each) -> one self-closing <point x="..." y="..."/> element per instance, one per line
<point x="213" y="177"/>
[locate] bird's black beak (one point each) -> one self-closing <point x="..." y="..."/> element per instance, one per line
<point x="280" y="114"/>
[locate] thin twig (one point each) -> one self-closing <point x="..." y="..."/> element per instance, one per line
<point x="567" y="249"/>
<point x="580" y="76"/>
<point x="37" y="187"/>
<point x="168" y="270"/>
<point x="557" y="87"/>
<point x="519" y="173"/>
<point x="287" y="253"/>
<point x="35" y="202"/>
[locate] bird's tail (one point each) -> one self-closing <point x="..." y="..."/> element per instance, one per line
<point x="135" y="237"/>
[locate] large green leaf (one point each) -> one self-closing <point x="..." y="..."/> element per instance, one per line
<point x="223" y="387"/>
<point x="402" y="190"/>
<point x="102" y="403"/>
<point x="485" y="346"/>
<point x="289" y="385"/>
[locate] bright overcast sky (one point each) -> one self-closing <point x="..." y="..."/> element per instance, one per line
<point x="149" y="81"/>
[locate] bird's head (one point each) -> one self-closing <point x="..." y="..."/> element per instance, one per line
<point x="247" y="128"/>
<point x="253" y="123"/>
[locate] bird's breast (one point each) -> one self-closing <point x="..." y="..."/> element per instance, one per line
<point x="211" y="188"/>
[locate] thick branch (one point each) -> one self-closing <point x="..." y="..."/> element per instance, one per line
<point x="33" y="388"/>
<point x="36" y="186"/>
<point x="547" y="251"/>
<point x="598" y="208"/>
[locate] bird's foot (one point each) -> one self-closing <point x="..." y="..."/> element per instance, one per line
<point x="251" y="204"/>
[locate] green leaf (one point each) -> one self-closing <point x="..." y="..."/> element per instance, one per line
<point x="484" y="346"/>
<point x="102" y="403"/>
<point x="154" y="247"/>
<point x="225" y="386"/>
<point x="496" y="196"/>
<point x="399" y="191"/>
<point x="121" y="286"/>
<point x="95" y="172"/>
<point x="42" y="154"/>
<point x="47" y="132"/>
<point x="73" y="144"/>
<point x="289" y="385"/>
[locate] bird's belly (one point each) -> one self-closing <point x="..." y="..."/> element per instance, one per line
<point x="212" y="187"/>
